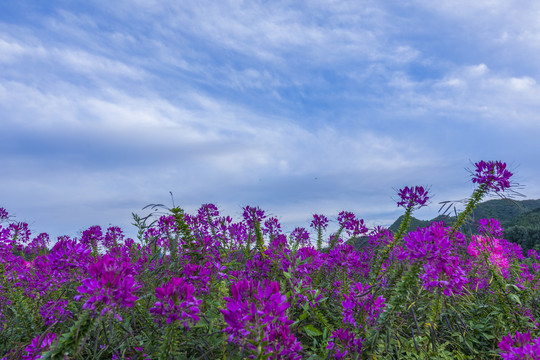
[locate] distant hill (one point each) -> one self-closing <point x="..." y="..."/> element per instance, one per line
<point x="506" y="211"/>
<point x="509" y="213"/>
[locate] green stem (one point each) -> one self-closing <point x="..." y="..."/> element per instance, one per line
<point x="397" y="238"/>
<point x="319" y="237"/>
<point x="475" y="199"/>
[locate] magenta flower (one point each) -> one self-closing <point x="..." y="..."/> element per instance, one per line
<point x="113" y="237"/>
<point x="413" y="196"/>
<point x="55" y="311"/>
<point x="92" y="237"/>
<point x="319" y="222"/>
<point x="350" y="223"/>
<point x="207" y="211"/>
<point x="68" y="257"/>
<point x="493" y="174"/>
<point x="271" y="227"/>
<point x="344" y="343"/>
<point x="300" y="236"/>
<point x="359" y="304"/>
<point x="178" y="303"/>
<point x="256" y="314"/>
<point x="520" y="347"/>
<point x="380" y="236"/>
<point x="490" y="227"/>
<point x="431" y="246"/>
<point x="3" y="214"/>
<point x="167" y="226"/>
<point x="252" y="215"/>
<point x="39" y="243"/>
<point x="492" y="247"/>
<point x="38" y="345"/>
<point x="111" y="284"/>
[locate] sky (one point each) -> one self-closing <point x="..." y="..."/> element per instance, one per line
<point x="298" y="107"/>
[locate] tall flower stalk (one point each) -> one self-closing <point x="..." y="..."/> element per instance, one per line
<point x="410" y="199"/>
<point x="491" y="176"/>
<point x="319" y="223"/>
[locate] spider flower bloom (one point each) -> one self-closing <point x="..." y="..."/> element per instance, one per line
<point x="350" y="223"/>
<point x="92" y="236"/>
<point x="490" y="227"/>
<point x="520" y="347"/>
<point x="38" y="345"/>
<point x="111" y="284"/>
<point x="55" y="311"/>
<point x="431" y="246"/>
<point x="300" y="236"/>
<point x="3" y="214"/>
<point x="360" y="304"/>
<point x="380" y="236"/>
<point x="319" y="221"/>
<point x="345" y="342"/>
<point x="256" y="315"/>
<point x="493" y="174"/>
<point x="272" y="227"/>
<point x="413" y="196"/>
<point x="253" y="214"/>
<point x="207" y="211"/>
<point x="113" y="237"/>
<point x="492" y="246"/>
<point x="178" y="302"/>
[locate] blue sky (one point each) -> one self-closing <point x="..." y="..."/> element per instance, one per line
<point x="295" y="107"/>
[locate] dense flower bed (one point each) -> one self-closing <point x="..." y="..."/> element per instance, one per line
<point x="201" y="286"/>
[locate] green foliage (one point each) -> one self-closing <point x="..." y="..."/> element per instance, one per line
<point x="416" y="323"/>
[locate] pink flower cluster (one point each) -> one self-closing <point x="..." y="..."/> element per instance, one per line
<point x="492" y="247"/>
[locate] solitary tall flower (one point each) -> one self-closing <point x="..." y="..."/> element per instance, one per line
<point x="493" y="174"/>
<point x="413" y="196"/>
<point x="300" y="236"/>
<point x="319" y="221"/>
<point x="253" y="215"/>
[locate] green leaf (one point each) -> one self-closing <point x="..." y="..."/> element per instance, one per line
<point x="515" y="298"/>
<point x="312" y="330"/>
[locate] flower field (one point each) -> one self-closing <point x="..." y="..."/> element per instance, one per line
<point x="202" y="286"/>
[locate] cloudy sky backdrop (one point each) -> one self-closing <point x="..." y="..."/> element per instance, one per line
<point x="298" y="107"/>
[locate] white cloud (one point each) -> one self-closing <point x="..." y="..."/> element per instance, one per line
<point x="472" y="93"/>
<point x="12" y="50"/>
<point x="504" y="23"/>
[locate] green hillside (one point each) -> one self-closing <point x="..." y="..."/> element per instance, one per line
<point x="510" y="213"/>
